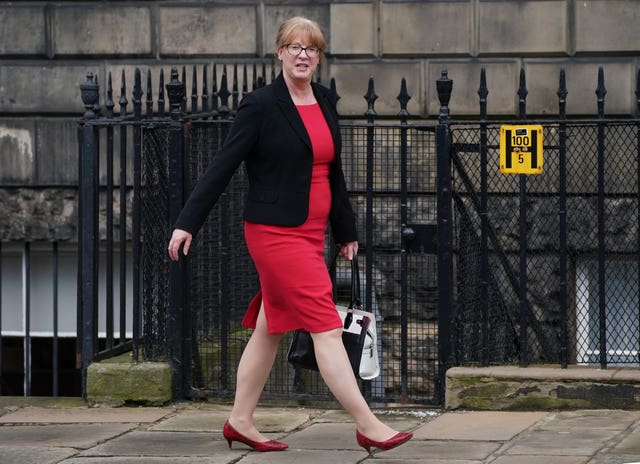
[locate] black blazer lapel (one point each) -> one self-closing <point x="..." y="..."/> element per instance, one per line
<point x="285" y="103"/>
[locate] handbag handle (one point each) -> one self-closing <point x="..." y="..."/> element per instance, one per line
<point x="355" y="301"/>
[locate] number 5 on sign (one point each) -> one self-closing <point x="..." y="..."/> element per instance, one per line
<point x="521" y="149"/>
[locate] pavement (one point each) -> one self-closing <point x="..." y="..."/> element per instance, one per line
<point x="47" y="431"/>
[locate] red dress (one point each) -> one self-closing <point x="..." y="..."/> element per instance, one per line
<point x="294" y="281"/>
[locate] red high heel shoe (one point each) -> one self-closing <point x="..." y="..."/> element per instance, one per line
<point x="396" y="440"/>
<point x="232" y="434"/>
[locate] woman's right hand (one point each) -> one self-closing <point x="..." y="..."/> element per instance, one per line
<point x="178" y="238"/>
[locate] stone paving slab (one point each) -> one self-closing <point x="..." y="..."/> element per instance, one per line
<point x="398" y="419"/>
<point x="34" y="415"/>
<point x="66" y="435"/>
<point x="629" y="445"/>
<point x="325" y="436"/>
<point x="406" y="425"/>
<point x="292" y="456"/>
<point x="220" y="459"/>
<point x="566" y="442"/>
<point x="191" y="433"/>
<point x="541" y="459"/>
<point x="591" y="419"/>
<point x="424" y="460"/>
<point x="166" y="444"/>
<point x="441" y="449"/>
<point x="212" y="421"/>
<point x="333" y="415"/>
<point x="478" y="425"/>
<point x="619" y="459"/>
<point x="14" y="402"/>
<point x="33" y="455"/>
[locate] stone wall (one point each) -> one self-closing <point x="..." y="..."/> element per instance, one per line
<point x="46" y="49"/>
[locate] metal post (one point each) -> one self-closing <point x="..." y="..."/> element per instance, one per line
<point x="56" y="373"/>
<point x="205" y="95"/>
<point x="444" y="86"/>
<point x="404" y="98"/>
<point x="601" y="91"/>
<point x="370" y="114"/>
<point x="483" y="92"/>
<point x="149" y="100"/>
<point x="562" y="213"/>
<point x="175" y="329"/>
<point x="123" y="213"/>
<point x="224" y="263"/>
<point x="194" y="91"/>
<point x="137" y="214"/>
<point x="88" y="239"/>
<point x="109" y="213"/>
<point x="522" y="297"/>
<point x="26" y="302"/>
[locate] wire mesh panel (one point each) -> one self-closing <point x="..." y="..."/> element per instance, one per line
<point x="155" y="237"/>
<point x="400" y="285"/>
<point x="223" y="279"/>
<point x="486" y="304"/>
<point x="604" y="243"/>
<point x="583" y="208"/>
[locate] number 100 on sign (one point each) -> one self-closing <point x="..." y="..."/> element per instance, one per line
<point x="521" y="149"/>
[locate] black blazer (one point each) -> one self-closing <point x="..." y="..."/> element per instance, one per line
<point x="269" y="136"/>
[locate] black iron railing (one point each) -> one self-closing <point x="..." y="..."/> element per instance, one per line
<point x="523" y="273"/>
<point x="547" y="266"/>
<point x="189" y="313"/>
<point x="37" y="326"/>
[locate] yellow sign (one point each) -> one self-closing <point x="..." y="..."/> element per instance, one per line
<point x="521" y="149"/>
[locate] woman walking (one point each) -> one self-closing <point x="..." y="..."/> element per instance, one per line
<point x="288" y="136"/>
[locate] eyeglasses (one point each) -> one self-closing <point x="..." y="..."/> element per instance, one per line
<point x="296" y="49"/>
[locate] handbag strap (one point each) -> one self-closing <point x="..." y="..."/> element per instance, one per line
<point x="354" y="301"/>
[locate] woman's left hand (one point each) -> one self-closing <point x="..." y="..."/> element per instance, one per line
<point x="349" y="250"/>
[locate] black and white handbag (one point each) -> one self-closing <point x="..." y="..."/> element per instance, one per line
<point x="358" y="335"/>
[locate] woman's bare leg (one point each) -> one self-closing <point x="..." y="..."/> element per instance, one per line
<point x="336" y="371"/>
<point x="253" y="372"/>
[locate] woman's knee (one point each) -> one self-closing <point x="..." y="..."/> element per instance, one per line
<point x="330" y="336"/>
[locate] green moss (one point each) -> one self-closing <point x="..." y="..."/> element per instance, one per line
<point x="463" y="382"/>
<point x="475" y="403"/>
<point x="490" y="390"/>
<point x="120" y="383"/>
<point x="529" y="403"/>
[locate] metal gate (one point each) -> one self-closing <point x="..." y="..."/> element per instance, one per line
<point x="390" y="174"/>
<point x="527" y="270"/>
<point x="190" y="313"/>
<point x="546" y="267"/>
